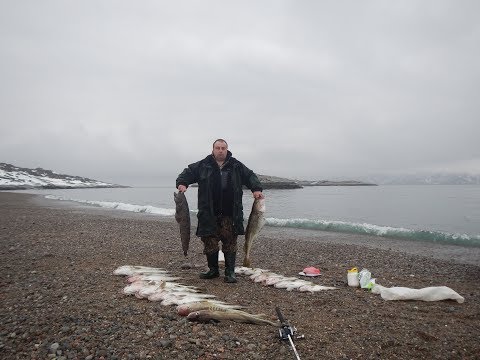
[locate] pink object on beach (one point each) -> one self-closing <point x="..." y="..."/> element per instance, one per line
<point x="310" y="271"/>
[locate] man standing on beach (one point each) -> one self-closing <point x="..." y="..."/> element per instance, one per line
<point x="220" y="178"/>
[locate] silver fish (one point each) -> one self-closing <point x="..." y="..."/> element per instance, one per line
<point x="314" y="288"/>
<point x="256" y="220"/>
<point x="132" y="270"/>
<point x="179" y="297"/>
<point x="185" y="309"/>
<point x="234" y="315"/>
<point x="158" y="277"/>
<point x="182" y="215"/>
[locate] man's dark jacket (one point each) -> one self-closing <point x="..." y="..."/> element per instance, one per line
<point x="204" y="172"/>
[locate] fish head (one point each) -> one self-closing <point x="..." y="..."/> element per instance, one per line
<point x="203" y="316"/>
<point x="260" y="205"/>
<point x="194" y="316"/>
<point x="177" y="197"/>
<point x="183" y="310"/>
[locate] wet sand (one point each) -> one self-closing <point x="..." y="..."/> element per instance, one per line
<point x="57" y="288"/>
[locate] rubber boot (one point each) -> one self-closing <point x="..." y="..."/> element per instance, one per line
<point x="230" y="267"/>
<point x="212" y="260"/>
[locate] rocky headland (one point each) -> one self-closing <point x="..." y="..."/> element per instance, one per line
<point x="18" y="178"/>
<point x="334" y="183"/>
<point x="275" y="182"/>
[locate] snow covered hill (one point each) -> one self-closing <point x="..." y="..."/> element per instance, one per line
<point x="17" y="178"/>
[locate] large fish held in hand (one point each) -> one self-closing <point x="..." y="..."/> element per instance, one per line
<point x="182" y="215"/>
<point x="256" y="220"/>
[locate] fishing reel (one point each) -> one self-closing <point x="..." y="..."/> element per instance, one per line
<point x="287" y="331"/>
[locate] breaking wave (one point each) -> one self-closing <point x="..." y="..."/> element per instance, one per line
<point x="376" y="230"/>
<point x="323" y="225"/>
<point x="148" y="209"/>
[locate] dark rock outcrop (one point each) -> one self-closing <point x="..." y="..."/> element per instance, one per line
<point x="275" y="182"/>
<point x="334" y="183"/>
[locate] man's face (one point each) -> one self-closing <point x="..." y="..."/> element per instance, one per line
<point x="220" y="151"/>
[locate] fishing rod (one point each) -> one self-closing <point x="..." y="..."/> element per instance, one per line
<point x="287" y="332"/>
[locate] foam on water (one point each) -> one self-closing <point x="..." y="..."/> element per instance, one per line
<point x="120" y="206"/>
<point x="323" y="225"/>
<point x="376" y="230"/>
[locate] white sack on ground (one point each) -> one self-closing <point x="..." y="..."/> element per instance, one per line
<point x="435" y="293"/>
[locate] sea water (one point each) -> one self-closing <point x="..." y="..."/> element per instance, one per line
<point x="441" y="213"/>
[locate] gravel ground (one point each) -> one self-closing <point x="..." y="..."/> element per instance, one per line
<point x="60" y="300"/>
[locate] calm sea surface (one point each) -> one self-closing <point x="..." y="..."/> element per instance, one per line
<point x="444" y="213"/>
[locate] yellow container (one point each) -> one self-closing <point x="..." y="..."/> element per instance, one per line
<point x="352" y="277"/>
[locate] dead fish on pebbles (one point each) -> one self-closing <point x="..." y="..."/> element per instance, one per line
<point x="153" y="277"/>
<point x="233" y="315"/>
<point x="243" y="270"/>
<point x="269" y="278"/>
<point x="147" y="290"/>
<point x="133" y="288"/>
<point x="315" y="288"/>
<point x="130" y="270"/>
<point x="185" y="309"/>
<point x="171" y="289"/>
<point x="184" y="298"/>
<point x="291" y="284"/>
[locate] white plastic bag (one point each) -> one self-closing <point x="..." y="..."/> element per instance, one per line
<point x="434" y="293"/>
<point x="365" y="278"/>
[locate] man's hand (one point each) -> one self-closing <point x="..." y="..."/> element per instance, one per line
<point x="182" y="188"/>
<point x="256" y="195"/>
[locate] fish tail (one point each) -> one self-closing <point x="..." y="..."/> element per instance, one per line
<point x="261" y="315"/>
<point x="261" y="320"/>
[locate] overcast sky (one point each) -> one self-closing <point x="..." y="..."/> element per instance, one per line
<point x="125" y="91"/>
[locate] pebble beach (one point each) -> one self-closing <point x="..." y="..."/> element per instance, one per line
<point x="60" y="299"/>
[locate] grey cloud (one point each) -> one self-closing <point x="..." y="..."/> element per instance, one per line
<point x="109" y="89"/>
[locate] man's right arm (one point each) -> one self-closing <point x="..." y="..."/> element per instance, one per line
<point x="187" y="177"/>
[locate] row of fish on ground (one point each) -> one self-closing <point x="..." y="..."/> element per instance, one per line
<point x="156" y="284"/>
<point x="269" y="278"/>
